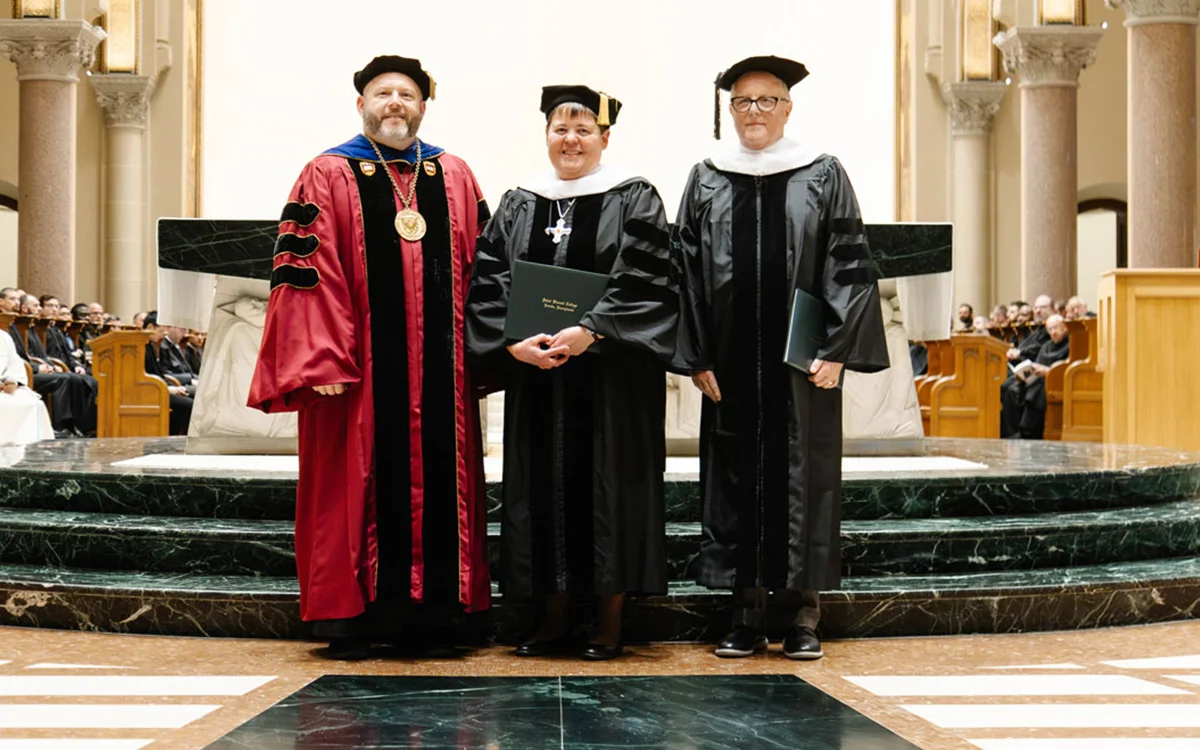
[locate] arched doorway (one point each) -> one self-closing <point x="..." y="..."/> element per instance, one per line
<point x="1103" y="244"/>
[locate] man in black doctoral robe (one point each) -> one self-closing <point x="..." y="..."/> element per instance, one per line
<point x="1023" y="402"/>
<point x="180" y="400"/>
<point x="72" y="396"/>
<point x="756" y="223"/>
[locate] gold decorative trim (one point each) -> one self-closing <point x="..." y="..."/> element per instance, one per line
<point x="198" y="113"/>
<point x="17" y="12"/>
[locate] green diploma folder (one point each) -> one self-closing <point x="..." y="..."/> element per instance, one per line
<point x="547" y="299"/>
<point x="806" y="331"/>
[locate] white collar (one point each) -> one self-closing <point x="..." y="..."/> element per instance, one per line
<point x="780" y="156"/>
<point x="600" y="180"/>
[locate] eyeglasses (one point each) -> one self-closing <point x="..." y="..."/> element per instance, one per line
<point x="765" y="103"/>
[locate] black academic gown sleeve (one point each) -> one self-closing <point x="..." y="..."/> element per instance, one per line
<point x="854" y="325"/>
<point x="487" y="300"/>
<point x="640" y="308"/>
<point x="693" y="353"/>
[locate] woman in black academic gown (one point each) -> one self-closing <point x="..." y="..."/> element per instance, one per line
<point x="584" y="444"/>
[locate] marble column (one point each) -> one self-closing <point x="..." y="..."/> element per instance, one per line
<point x="972" y="106"/>
<point x="1048" y="60"/>
<point x="126" y="102"/>
<point x="1162" y="131"/>
<point x="48" y="54"/>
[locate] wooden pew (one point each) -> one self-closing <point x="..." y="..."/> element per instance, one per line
<point x="1076" y="352"/>
<point x="1083" y="390"/>
<point x="941" y="364"/>
<point x="966" y="403"/>
<point x="130" y="403"/>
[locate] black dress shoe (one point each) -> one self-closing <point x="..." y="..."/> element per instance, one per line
<point x="801" y="642"/>
<point x="544" y="648"/>
<point x="348" y="649"/>
<point x="600" y="652"/>
<point x="743" y="641"/>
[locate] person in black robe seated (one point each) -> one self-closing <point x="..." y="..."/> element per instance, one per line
<point x="920" y="358"/>
<point x="1023" y="400"/>
<point x="181" y="402"/>
<point x="173" y="361"/>
<point x="584" y="443"/>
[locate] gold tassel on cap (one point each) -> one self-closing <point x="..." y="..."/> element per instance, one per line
<point x="602" y="115"/>
<point x="432" y="87"/>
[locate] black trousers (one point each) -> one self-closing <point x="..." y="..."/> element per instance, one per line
<point x="750" y="606"/>
<point x="181" y="414"/>
<point x="72" y="399"/>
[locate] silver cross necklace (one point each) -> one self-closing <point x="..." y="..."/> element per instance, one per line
<point x="560" y="228"/>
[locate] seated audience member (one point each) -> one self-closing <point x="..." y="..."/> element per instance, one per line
<point x="981" y="325"/>
<point x="72" y="396"/>
<point x="193" y="349"/>
<point x="172" y="360"/>
<point x="1023" y="400"/>
<point x="966" y="317"/>
<point x="1077" y="309"/>
<point x="139" y="319"/>
<point x="920" y="358"/>
<point x="23" y="416"/>
<point x="58" y="346"/>
<point x="181" y="402"/>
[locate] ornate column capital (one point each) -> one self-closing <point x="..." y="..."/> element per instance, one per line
<point x="125" y="98"/>
<point x="1048" y="55"/>
<point x="1140" y="12"/>
<point x="972" y="105"/>
<point x="49" y="50"/>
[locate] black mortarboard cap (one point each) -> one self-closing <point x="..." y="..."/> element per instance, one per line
<point x="788" y="71"/>
<point x="395" y="64"/>
<point x="605" y="106"/>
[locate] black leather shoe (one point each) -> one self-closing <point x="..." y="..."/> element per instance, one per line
<point x="348" y="649"/>
<point x="802" y="643"/>
<point x="544" y="648"/>
<point x="743" y="641"/>
<point x="600" y="652"/>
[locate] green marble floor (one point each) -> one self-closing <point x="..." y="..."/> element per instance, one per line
<point x="692" y="713"/>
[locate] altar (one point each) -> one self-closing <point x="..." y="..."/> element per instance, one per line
<point x="214" y="275"/>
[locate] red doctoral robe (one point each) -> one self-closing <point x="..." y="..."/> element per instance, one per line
<point x="391" y="497"/>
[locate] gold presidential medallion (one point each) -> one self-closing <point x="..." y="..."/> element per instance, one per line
<point x="410" y="225"/>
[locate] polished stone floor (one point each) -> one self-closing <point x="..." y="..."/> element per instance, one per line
<point x="1135" y="688"/>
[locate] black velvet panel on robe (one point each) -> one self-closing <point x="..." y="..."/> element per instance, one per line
<point x="771" y="450"/>
<point x="584" y="444"/>
<point x="394" y="506"/>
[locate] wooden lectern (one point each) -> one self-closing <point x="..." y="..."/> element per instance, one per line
<point x="131" y="403"/>
<point x="1149" y="323"/>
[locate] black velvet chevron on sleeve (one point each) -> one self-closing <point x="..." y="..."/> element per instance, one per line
<point x="295" y="245"/>
<point x="303" y="214"/>
<point x="298" y="277"/>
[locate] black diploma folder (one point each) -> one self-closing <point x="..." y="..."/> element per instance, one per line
<point x="806" y="331"/>
<point x="547" y="299"/>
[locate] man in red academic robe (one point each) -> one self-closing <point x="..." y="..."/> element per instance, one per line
<point x="364" y="338"/>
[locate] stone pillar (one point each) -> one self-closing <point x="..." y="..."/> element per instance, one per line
<point x="125" y="99"/>
<point x="1162" y="131"/>
<point x="972" y="105"/>
<point x="48" y="54"/>
<point x="1048" y="59"/>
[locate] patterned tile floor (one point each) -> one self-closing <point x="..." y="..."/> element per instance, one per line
<point x="1130" y="688"/>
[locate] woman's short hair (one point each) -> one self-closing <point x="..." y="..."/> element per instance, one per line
<point x="571" y="110"/>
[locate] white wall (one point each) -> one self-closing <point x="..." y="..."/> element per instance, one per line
<point x="278" y="89"/>
<point x="1097" y="252"/>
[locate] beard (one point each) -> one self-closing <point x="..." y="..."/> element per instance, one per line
<point x="392" y="130"/>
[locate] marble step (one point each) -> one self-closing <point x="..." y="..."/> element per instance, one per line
<point x="217" y="497"/>
<point x="266" y="607"/>
<point x="869" y="548"/>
